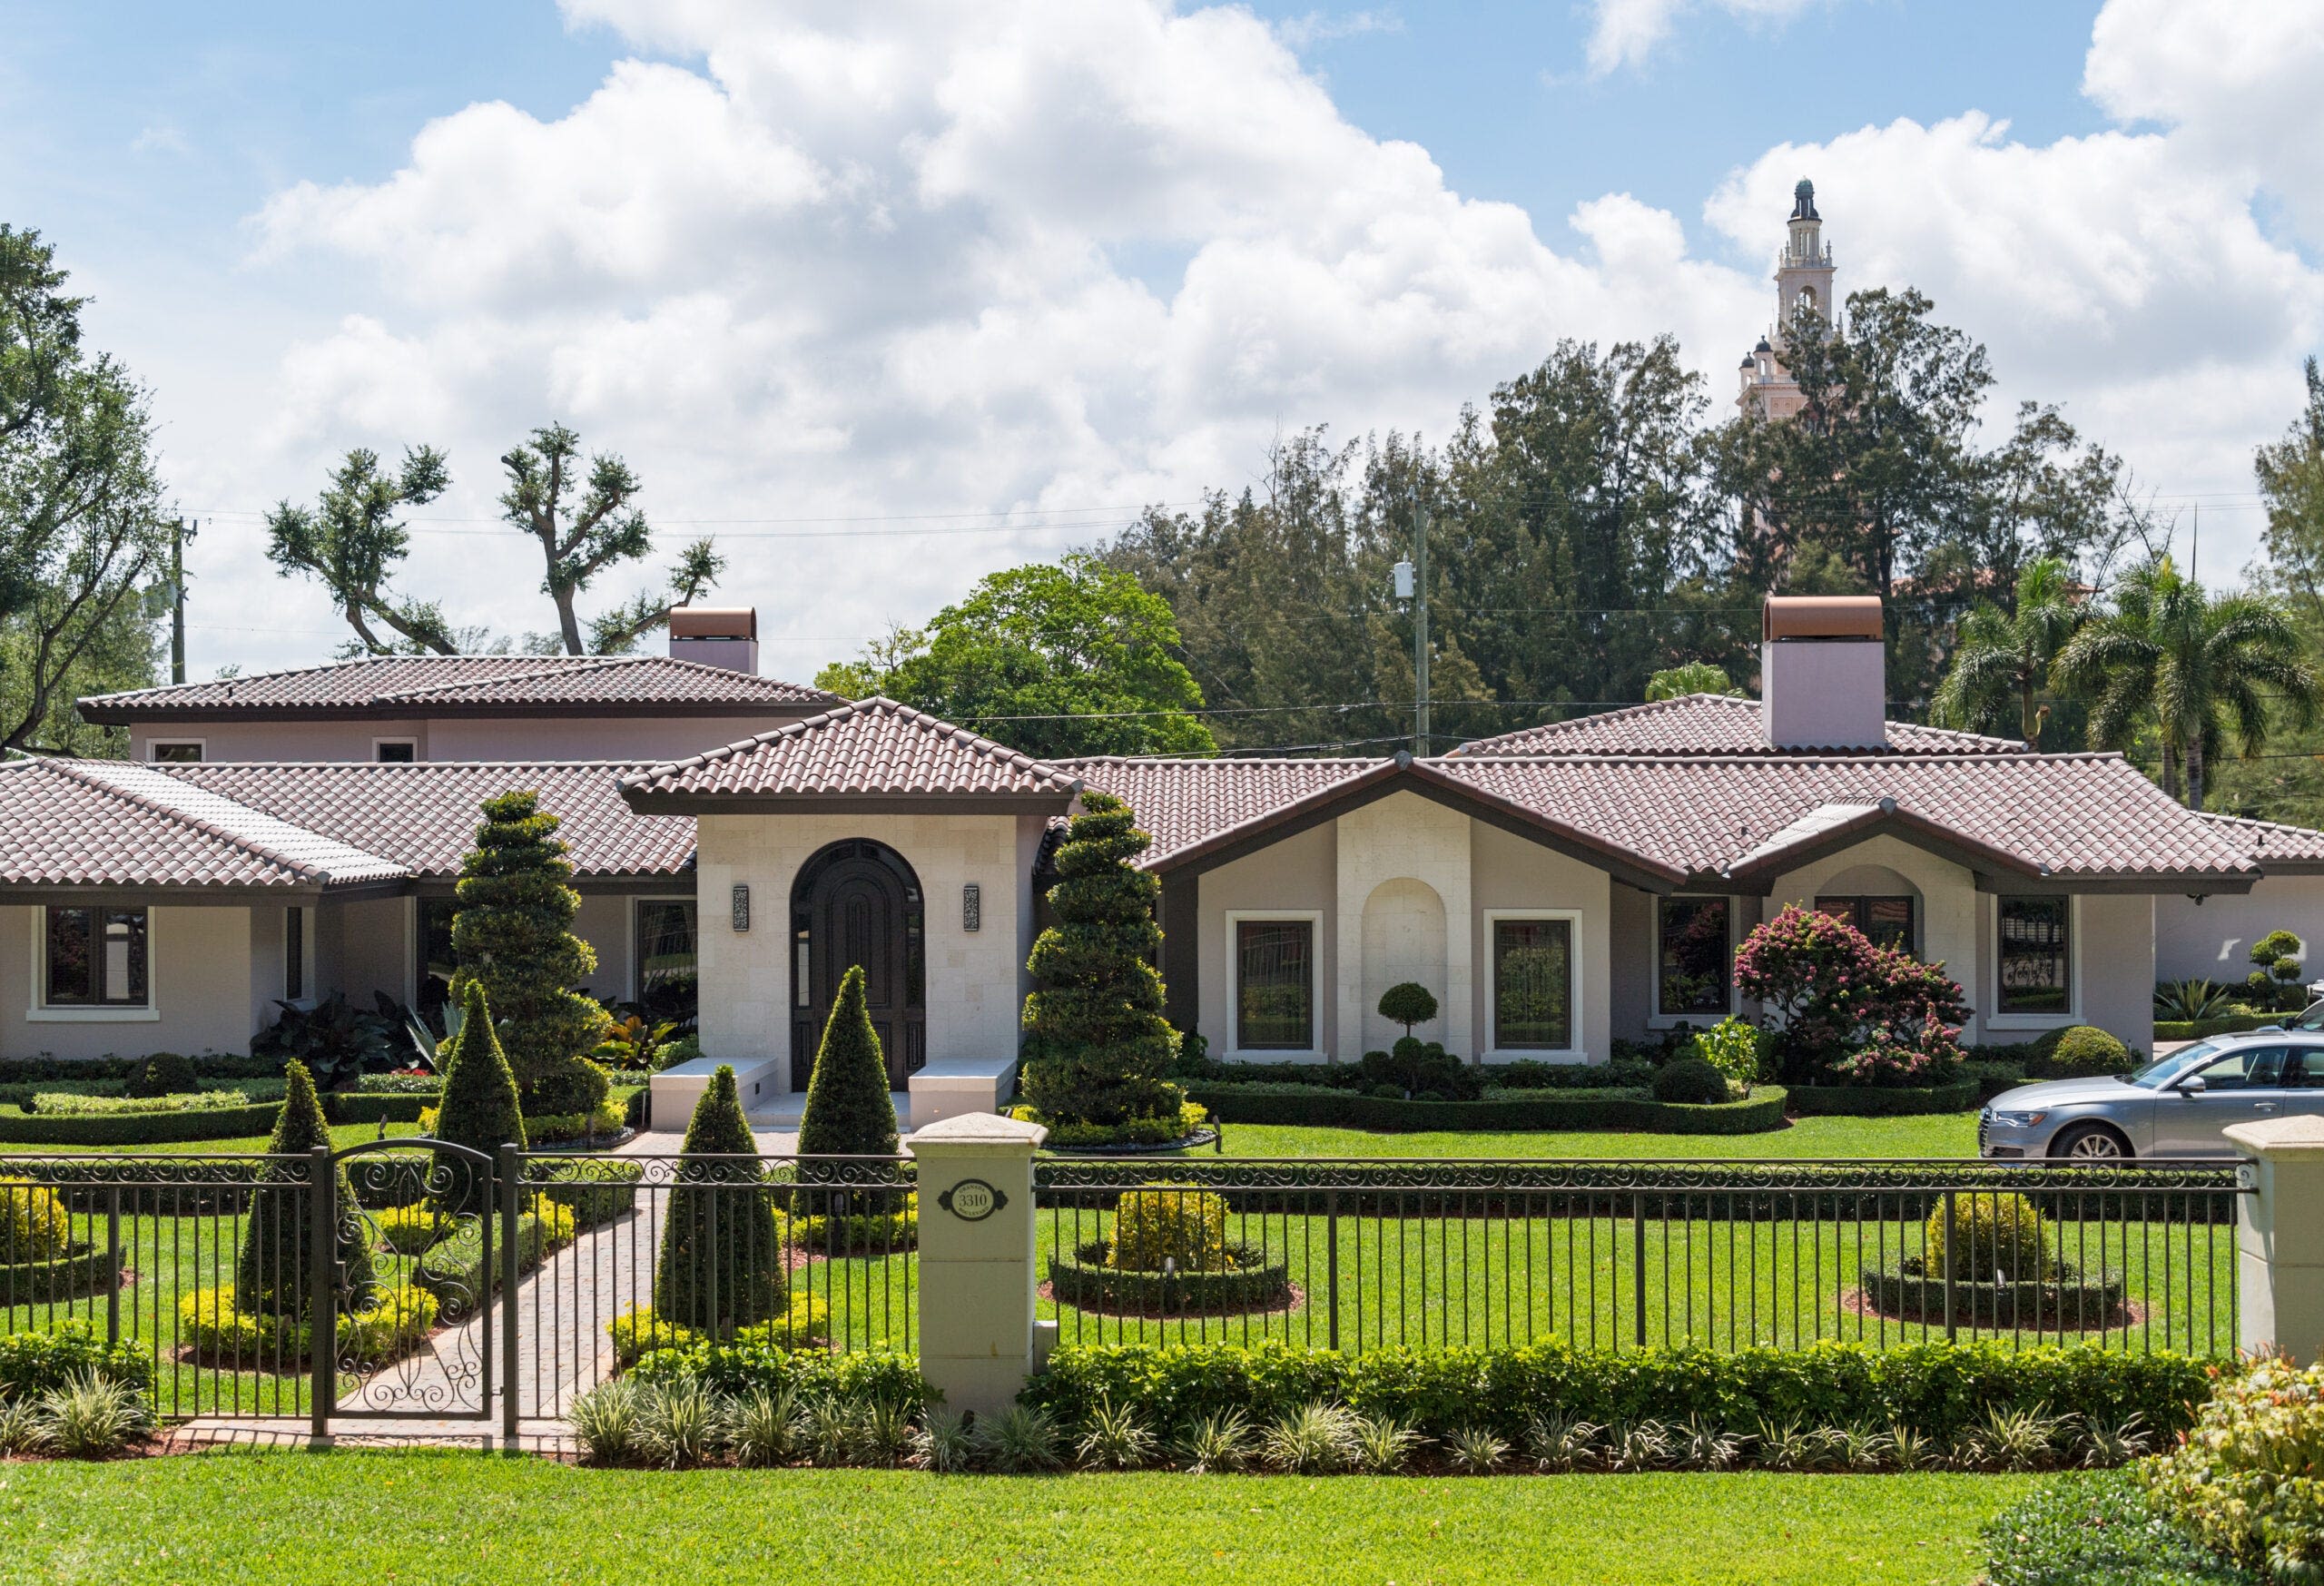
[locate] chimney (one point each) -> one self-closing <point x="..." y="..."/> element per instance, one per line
<point x="1823" y="673"/>
<point x="717" y="636"/>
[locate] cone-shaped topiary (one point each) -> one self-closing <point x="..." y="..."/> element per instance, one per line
<point x="479" y="1108"/>
<point x="273" y="1274"/>
<point x="849" y="1112"/>
<point x="722" y="1265"/>
<point x="1100" y="1044"/>
<point x="513" y="935"/>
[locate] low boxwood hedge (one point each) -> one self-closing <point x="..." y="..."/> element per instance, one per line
<point x="1938" y="1389"/>
<point x="138" y="1129"/>
<point x="1085" y="1281"/>
<point x="1882" y="1101"/>
<point x="81" y="1270"/>
<point x="1503" y="1110"/>
<point x="363" y="1107"/>
<point x="36" y="1360"/>
<point x="2069" y="1304"/>
<point x="2197" y="1028"/>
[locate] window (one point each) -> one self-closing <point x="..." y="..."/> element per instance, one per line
<point x="394" y="751"/>
<point x="2246" y="1068"/>
<point x="1692" y="956"/>
<point x="666" y="969"/>
<point x="436" y="963"/>
<point x="1888" y="922"/>
<point x="1274" y="985"/>
<point x="185" y="752"/>
<point x="2304" y="1068"/>
<point x="1533" y="984"/>
<point x="294" y="954"/>
<point x="2036" y="973"/>
<point x="95" y="958"/>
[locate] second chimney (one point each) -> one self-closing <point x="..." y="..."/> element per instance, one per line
<point x="717" y="636"/>
<point x="1823" y="673"/>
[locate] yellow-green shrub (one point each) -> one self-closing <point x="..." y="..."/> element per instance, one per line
<point x="1183" y="1226"/>
<point x="34" y="1226"/>
<point x="639" y="1331"/>
<point x="1991" y="1232"/>
<point x="410" y="1230"/>
<point x="2249" y="1479"/>
<point x="395" y="1320"/>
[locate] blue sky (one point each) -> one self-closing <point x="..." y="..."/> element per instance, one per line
<point x="812" y="265"/>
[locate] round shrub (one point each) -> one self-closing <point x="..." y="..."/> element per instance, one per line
<point x="2244" y="1481"/>
<point x="1991" y="1232"/>
<point x="2086" y="1050"/>
<point x="1408" y="1003"/>
<point x="1732" y="1046"/>
<point x="162" y="1074"/>
<point x="34" y="1226"/>
<point x="1182" y="1226"/>
<point x="1691" y="1080"/>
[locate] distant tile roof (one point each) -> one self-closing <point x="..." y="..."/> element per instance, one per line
<point x="2270" y="843"/>
<point x="1182" y="802"/>
<point x="86" y="824"/>
<point x="872" y="748"/>
<point x="426" y="814"/>
<point x="393" y="685"/>
<point x="1706" y="724"/>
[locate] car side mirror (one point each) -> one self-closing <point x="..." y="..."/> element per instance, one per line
<point x="2193" y="1085"/>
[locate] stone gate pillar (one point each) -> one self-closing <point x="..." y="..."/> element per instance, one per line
<point x="976" y="1276"/>
<point x="2279" y="1236"/>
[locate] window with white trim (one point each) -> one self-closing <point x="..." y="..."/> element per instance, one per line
<point x="1534" y="983"/>
<point x="2034" y="955"/>
<point x="1692" y="956"/>
<point x="1274" y="985"/>
<point x="178" y="752"/>
<point x="94" y="957"/>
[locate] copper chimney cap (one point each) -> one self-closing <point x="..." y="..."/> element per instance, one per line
<point x="1821" y="616"/>
<point x="714" y="621"/>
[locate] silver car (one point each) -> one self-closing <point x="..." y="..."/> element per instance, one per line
<point x="2174" y="1107"/>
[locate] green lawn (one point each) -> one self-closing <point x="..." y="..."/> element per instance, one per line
<point x="289" y="1518"/>
<point x="1945" y="1135"/>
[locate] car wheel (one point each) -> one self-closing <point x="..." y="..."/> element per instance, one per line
<point x="2090" y="1142"/>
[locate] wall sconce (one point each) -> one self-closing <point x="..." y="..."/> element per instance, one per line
<point x="971" y="906"/>
<point x="741" y="906"/>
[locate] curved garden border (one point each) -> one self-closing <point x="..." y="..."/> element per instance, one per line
<point x="2066" y="1305"/>
<point x="81" y="1270"/>
<point x="1624" y="1110"/>
<point x="1201" y="1137"/>
<point x="1084" y="1282"/>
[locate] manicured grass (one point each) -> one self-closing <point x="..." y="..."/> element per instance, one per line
<point x="1944" y="1134"/>
<point x="290" y="1518"/>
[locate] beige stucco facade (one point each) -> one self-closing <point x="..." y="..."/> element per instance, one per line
<point x="207" y="984"/>
<point x="2211" y="939"/>
<point x="626" y="739"/>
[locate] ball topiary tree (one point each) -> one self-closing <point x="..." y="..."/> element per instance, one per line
<point x="1408" y="1003"/>
<point x="722" y="1262"/>
<point x="1100" y="1044"/>
<point x="273" y="1275"/>
<point x="513" y="936"/>
<point x="480" y="1108"/>
<point x="1991" y="1233"/>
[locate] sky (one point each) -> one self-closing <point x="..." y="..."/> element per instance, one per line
<point x="884" y="298"/>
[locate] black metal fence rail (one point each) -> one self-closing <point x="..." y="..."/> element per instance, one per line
<point x="1616" y="1256"/>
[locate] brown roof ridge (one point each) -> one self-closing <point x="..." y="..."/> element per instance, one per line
<point x="190" y="770"/>
<point x="877" y="704"/>
<point x="250" y="846"/>
<point x="1225" y="759"/>
<point x="1773" y="757"/>
<point x="548" y="666"/>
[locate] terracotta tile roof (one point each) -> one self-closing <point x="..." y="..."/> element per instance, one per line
<point x="391" y="685"/>
<point x="1706" y="724"/>
<point x="106" y="824"/>
<point x="2267" y="843"/>
<point x="1181" y="802"/>
<point x="426" y="814"/>
<point x="873" y="748"/>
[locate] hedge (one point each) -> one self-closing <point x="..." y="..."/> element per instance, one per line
<point x="219" y="1333"/>
<point x="594" y="1191"/>
<point x="1936" y="1388"/>
<point x="1882" y="1101"/>
<point x="81" y="1270"/>
<point x="206" y="1066"/>
<point x="2197" y="1028"/>
<point x="138" y="1129"/>
<point x="2084" y="1305"/>
<point x="1253" y="1283"/>
<point x="36" y="1360"/>
<point x="2099" y="1528"/>
<point x="371" y="1107"/>
<point x="1571" y="1109"/>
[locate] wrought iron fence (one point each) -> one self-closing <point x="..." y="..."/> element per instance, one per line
<point x="1615" y="1256"/>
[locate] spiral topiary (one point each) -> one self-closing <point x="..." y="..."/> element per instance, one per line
<point x="513" y="936"/>
<point x="1992" y="1233"/>
<point x="1100" y="1044"/>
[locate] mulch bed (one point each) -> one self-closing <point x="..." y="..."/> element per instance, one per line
<point x="1298" y="1298"/>
<point x="2129" y="1313"/>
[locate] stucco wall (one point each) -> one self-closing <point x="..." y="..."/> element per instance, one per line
<point x="1295" y="874"/>
<point x="1630" y="961"/>
<point x="972" y="1003"/>
<point x="1513" y="874"/>
<point x="512" y="738"/>
<point x="2211" y="937"/>
<point x="368" y="946"/>
<point x="2117" y="966"/>
<point x="230" y="740"/>
<point x="1403" y="839"/>
<point x="203" y="990"/>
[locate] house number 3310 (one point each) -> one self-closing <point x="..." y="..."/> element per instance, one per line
<point x="972" y="1200"/>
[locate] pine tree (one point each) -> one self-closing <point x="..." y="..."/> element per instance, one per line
<point x="718" y="1237"/>
<point x="849" y="1112"/>
<point x="480" y="1108"/>
<point x="273" y="1274"/>
<point x="1096" y="1022"/>
<point x="512" y="935"/>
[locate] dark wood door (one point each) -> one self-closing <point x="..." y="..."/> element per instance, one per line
<point x="859" y="903"/>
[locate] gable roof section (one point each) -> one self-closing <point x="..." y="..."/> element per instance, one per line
<point x="97" y="823"/>
<point x="1707" y="723"/>
<point x="2276" y="847"/>
<point x="874" y="753"/>
<point x="408" y="686"/>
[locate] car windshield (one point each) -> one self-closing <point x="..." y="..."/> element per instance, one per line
<point x="2164" y="1069"/>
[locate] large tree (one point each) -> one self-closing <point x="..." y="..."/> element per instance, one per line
<point x="83" y="541"/>
<point x="353" y="540"/>
<point x="1064" y="659"/>
<point x="2290" y="474"/>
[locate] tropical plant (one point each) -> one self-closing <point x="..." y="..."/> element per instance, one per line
<point x="1019" y="1441"/>
<point x="606" y="1420"/>
<point x="335" y="1040"/>
<point x="722" y="1262"/>
<point x="2193" y="668"/>
<point x="480" y="1109"/>
<point x="1384" y="1443"/>
<point x="2245" y="1480"/>
<point x="1558" y="1441"/>
<point x="513" y="935"/>
<point x="1114" y="1439"/>
<point x="1311" y="1439"/>
<point x="1220" y="1441"/>
<point x="680" y="1423"/>
<point x="1408" y="1003"/>
<point x="763" y="1427"/>
<point x="1733" y="1047"/>
<point x="2191" y="1001"/>
<point x="1476" y="1450"/>
<point x="93" y="1416"/>
<point x="1097" y="1021"/>
<point x="943" y="1441"/>
<point x="1692" y="677"/>
<point x="2001" y="659"/>
<point x="631" y="1045"/>
<point x="275" y="1273"/>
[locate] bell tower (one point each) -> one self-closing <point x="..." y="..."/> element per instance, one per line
<point x="1802" y="286"/>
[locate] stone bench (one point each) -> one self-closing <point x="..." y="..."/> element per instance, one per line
<point x="952" y="1087"/>
<point x="677" y="1089"/>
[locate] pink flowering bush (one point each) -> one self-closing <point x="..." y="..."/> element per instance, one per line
<point x="1850" y="1012"/>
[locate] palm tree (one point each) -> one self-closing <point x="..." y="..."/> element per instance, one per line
<point x="2003" y="658"/>
<point x="1693" y="677"/>
<point x="2193" y="668"/>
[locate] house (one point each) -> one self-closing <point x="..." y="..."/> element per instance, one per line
<point x="287" y="835"/>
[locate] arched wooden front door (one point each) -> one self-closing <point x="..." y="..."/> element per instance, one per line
<point x="858" y="903"/>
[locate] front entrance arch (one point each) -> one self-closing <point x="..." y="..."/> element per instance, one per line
<point x="858" y="903"/>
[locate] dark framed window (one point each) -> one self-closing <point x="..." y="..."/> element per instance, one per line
<point x="394" y="751"/>
<point x="668" y="974"/>
<point x="2035" y="955"/>
<point x="176" y="753"/>
<point x="1691" y="955"/>
<point x="1274" y="985"/>
<point x="95" y="958"/>
<point x="1888" y="922"/>
<point x="295" y="954"/>
<point x="1532" y="985"/>
<point x="436" y="961"/>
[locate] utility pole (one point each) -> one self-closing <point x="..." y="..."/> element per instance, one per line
<point x="177" y="599"/>
<point x="1420" y="625"/>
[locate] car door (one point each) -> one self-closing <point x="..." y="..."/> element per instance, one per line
<point x="2239" y="1086"/>
<point x="2303" y="1081"/>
